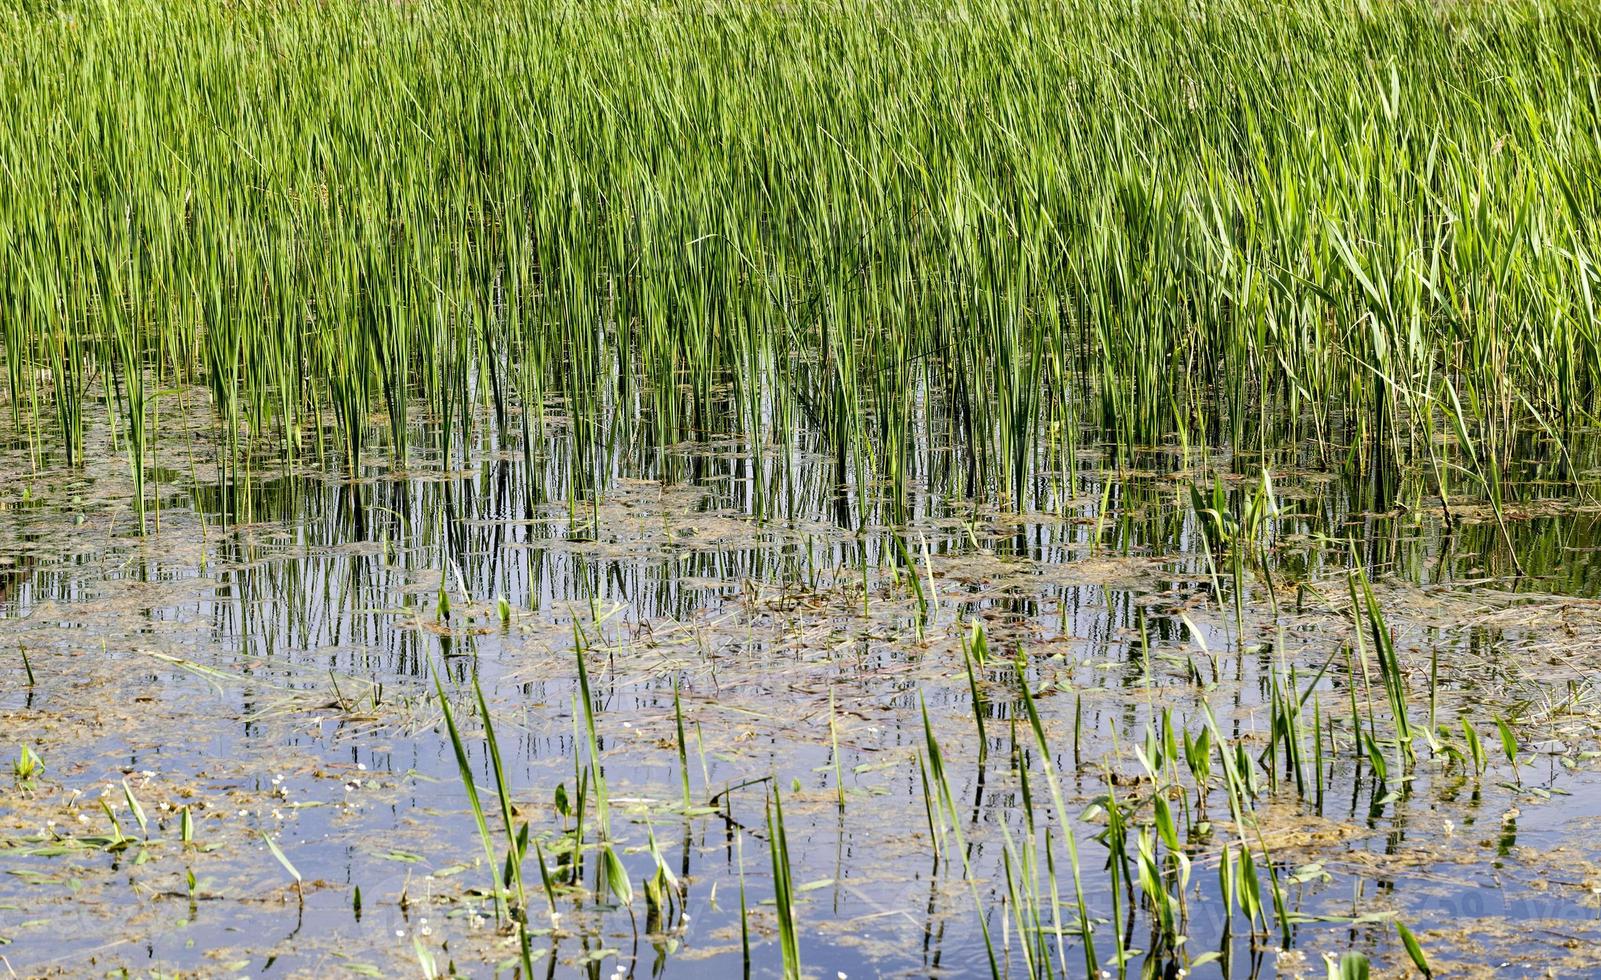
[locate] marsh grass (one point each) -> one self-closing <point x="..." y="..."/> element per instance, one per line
<point x="783" y="887"/>
<point x="1383" y="248"/>
<point x="941" y="252"/>
<point x="464" y="767"/>
<point x="277" y="853"/>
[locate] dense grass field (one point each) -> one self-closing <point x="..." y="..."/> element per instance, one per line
<point x="1217" y="223"/>
<point x="1024" y="488"/>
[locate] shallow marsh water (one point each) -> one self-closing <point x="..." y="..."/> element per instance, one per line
<point x="264" y="655"/>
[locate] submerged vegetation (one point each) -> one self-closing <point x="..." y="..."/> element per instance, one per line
<point x="966" y="488"/>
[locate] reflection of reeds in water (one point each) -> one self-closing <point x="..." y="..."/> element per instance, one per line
<point x="1123" y="850"/>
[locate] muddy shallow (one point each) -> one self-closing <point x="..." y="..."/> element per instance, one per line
<point x="272" y="677"/>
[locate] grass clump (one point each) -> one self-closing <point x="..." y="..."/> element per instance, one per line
<point x="801" y="226"/>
